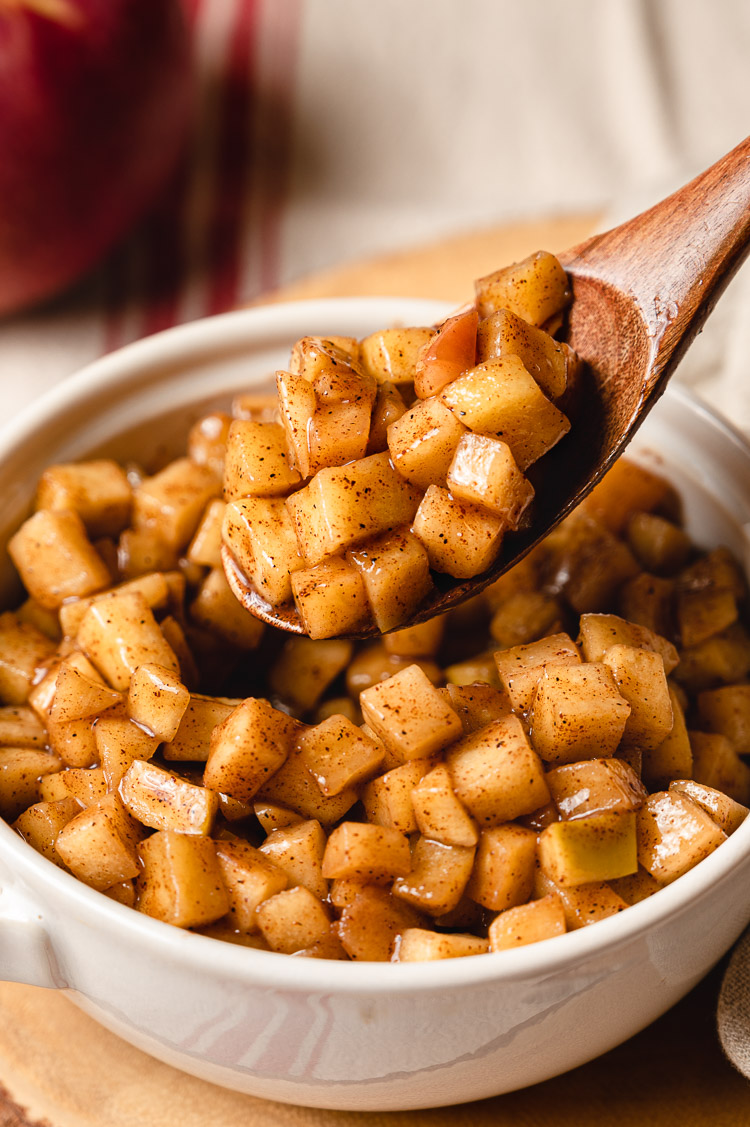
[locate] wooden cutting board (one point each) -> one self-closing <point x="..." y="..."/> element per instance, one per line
<point x="58" y="1068"/>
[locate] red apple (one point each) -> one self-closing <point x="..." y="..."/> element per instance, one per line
<point x="94" y="107"/>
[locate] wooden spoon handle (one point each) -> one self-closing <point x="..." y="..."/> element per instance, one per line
<point x="675" y="260"/>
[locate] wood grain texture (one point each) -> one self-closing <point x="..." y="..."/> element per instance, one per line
<point x="58" y="1068"/>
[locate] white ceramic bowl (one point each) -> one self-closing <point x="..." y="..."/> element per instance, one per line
<point x="330" y="1034"/>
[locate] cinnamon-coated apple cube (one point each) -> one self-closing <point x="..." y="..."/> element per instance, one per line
<point x="594" y="786"/>
<point x="521" y="667"/>
<point x="673" y="757"/>
<point x="387" y="799"/>
<point x="599" y="632"/>
<point x="217" y="609"/>
<point x="503" y="873"/>
<point x="118" y="633"/>
<point x="641" y="680"/>
<point x="374" y="664"/>
<point x="24" y="650"/>
<point x="46" y="621"/>
<point x="578" y="713"/>
<point x="355" y="502"/>
<point x="207" y="440"/>
<point x="260" y="535"/>
<point x="144" y="550"/>
<point x="73" y="740"/>
<point x="420" y="640"/>
<point x="296" y="407"/>
<point x="305" y="668"/>
<point x="192" y="740"/>
<point x="391" y="354"/>
<point x="727" y="813"/>
<point x="395" y="570"/>
<point x="727" y="711"/>
<point x="173" y="500"/>
<point x="298" y="851"/>
<point x="496" y="773"/>
<point x="313" y="356"/>
<point x="423" y="441"/>
<point x="583" y="904"/>
<point x="153" y="586"/>
<point x="635" y="886"/>
<point x="447" y="355"/>
<point x="500" y="398"/>
<point x="257" y="461"/>
<point x="717" y="570"/>
<point x="338" y="754"/>
<point x="293" y="920"/>
<point x="527" y="923"/>
<point x="720" y="660"/>
<point x="460" y="539"/>
<point x="338" y="433"/>
<point x="647" y="600"/>
<point x="248" y="747"/>
<point x="330" y="598"/>
<point x="274" y="817"/>
<point x="439" y="875"/>
<point x="99" y="845"/>
<point x="371" y="923"/>
<point x="484" y="472"/>
<point x="42" y="692"/>
<point x="703" y="613"/>
<point x="77" y="696"/>
<point x="417" y="945"/>
<point x="659" y="545"/>
<point x="526" y="616"/>
<point x="597" y="847"/>
<point x="536" y="289"/>
<point x="21" y="769"/>
<point x="19" y="727"/>
<point x="479" y="668"/>
<point x="552" y="364"/>
<point x="41" y="823"/>
<point x="339" y="706"/>
<point x="249" y="878"/>
<point x="87" y="785"/>
<point x="55" y="558"/>
<point x="163" y="801"/>
<point x="180" y="881"/>
<point x="476" y="705"/>
<point x="205" y="547"/>
<point x="409" y="715"/>
<point x="439" y="813"/>
<point x="717" y="764"/>
<point x="294" y="787"/>
<point x="157" y="700"/>
<point x="366" y="852"/>
<point x="99" y="491"/>
<point x="674" y="834"/>
<point x="389" y="406"/>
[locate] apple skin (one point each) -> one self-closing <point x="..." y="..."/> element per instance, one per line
<point x="95" y="99"/>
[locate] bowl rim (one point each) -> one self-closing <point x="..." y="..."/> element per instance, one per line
<point x="271" y="969"/>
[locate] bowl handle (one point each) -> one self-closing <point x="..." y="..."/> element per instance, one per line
<point x="25" y="951"/>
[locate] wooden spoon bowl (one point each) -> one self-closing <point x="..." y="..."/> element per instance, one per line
<point x="641" y="293"/>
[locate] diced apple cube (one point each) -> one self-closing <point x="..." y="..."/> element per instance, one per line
<point x="389" y="406"/>
<point x="660" y="546"/>
<point x="521" y="667"/>
<point x="496" y="773"/>
<point x="118" y="633"/>
<point x="388" y="798"/>
<point x="395" y="570"/>
<point x="484" y="472"/>
<point x="423" y="441"/>
<point x="552" y="364"/>
<point x="595" y="786"/>
<point x="727" y="813"/>
<point x="297" y="406"/>
<point x="181" y="880"/>
<point x="418" y="945"/>
<point x="583" y="904"/>
<point x="503" y="873"/>
<point x="99" y="491"/>
<point x="24" y="651"/>
<point x="339" y="754"/>
<point x="371" y="923"/>
<point x="366" y="852"/>
<point x="717" y="764"/>
<point x="527" y="923"/>
<point x="503" y="400"/>
<point x="462" y="540"/>
<point x="599" y="632"/>
<point x="217" y="610"/>
<point x="536" y="289"/>
<point x="41" y="823"/>
<point x="257" y="461"/>
<point x="163" y="801"/>
<point x="298" y="851"/>
<point x="391" y="354"/>
<point x="248" y="747"/>
<point x="249" y="878"/>
<point x="98" y="845"/>
<point x="294" y="787"/>
<point x="55" y="558"/>
<point x="305" y="668"/>
<point x="674" y="834"/>
<point x="727" y="711"/>
<point x="439" y="813"/>
<point x="598" y="847"/>
<point x="447" y="355"/>
<point x="173" y="501"/>
<point x="259" y="533"/>
<point x="21" y="768"/>
<point x="330" y="598"/>
<point x="641" y="680"/>
<point x="293" y="920"/>
<point x="409" y="715"/>
<point x="577" y="713"/>
<point x="438" y="876"/>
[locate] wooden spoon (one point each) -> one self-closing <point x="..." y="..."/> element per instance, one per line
<point x="641" y="293"/>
